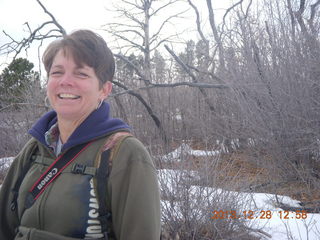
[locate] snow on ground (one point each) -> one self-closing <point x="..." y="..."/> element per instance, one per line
<point x="266" y="216"/>
<point x="185" y="149"/>
<point x="6" y="162"/>
<point x="279" y="224"/>
<point x="282" y="224"/>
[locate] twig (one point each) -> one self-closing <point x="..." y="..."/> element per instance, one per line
<point x="62" y="30"/>
<point x="22" y="104"/>
<point x="172" y="85"/>
<point x="17" y="46"/>
<point x="294" y="209"/>
<point x="259" y="231"/>
<point x="187" y="68"/>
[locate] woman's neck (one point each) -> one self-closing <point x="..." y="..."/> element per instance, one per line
<point x="67" y="127"/>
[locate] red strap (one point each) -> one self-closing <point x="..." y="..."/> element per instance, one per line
<point x="55" y="170"/>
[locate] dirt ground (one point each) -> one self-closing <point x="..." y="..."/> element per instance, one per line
<point x="238" y="171"/>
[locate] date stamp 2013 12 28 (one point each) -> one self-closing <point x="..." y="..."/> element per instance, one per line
<point x="259" y="214"/>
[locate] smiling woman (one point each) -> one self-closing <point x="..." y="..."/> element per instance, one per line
<point x="80" y="68"/>
<point x="73" y="91"/>
<point x="56" y="196"/>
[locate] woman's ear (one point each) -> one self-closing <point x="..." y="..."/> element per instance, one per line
<point x="106" y="89"/>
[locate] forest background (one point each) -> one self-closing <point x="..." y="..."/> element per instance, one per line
<point x="247" y="86"/>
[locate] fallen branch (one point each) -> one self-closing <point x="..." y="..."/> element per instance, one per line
<point x="259" y="231"/>
<point x="148" y="108"/>
<point x="294" y="209"/>
<point x="172" y="85"/>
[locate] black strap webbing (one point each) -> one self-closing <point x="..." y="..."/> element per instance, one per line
<point x="102" y="179"/>
<point x="17" y="184"/>
<point x="53" y="172"/>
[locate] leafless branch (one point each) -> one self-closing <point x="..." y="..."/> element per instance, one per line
<point x="62" y="30"/>
<point x="133" y="4"/>
<point x="299" y="17"/>
<point x="215" y="33"/>
<point x="193" y="77"/>
<point x="133" y="18"/>
<point x="259" y="231"/>
<point x="248" y="8"/>
<point x="163" y="24"/>
<point x="118" y="24"/>
<point x="125" y="59"/>
<point x="131" y="31"/>
<point x="312" y="15"/>
<point x="302" y="6"/>
<point x="17" y="46"/>
<point x="198" y="21"/>
<point x="313" y="9"/>
<point x="181" y="63"/>
<point x="292" y="19"/>
<point x="160" y="42"/>
<point x="152" y="85"/>
<point x="124" y="38"/>
<point x="172" y="85"/>
<point x="188" y="68"/>
<point x="147" y="106"/>
<point x="230" y="8"/>
<point x="162" y="7"/>
<point x="23" y="104"/>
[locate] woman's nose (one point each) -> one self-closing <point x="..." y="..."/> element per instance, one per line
<point x="66" y="80"/>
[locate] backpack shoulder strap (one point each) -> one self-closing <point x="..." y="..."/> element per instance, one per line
<point x="115" y="143"/>
<point x="109" y="150"/>
<point x="29" y="160"/>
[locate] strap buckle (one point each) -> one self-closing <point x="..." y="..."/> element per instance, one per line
<point x="78" y="168"/>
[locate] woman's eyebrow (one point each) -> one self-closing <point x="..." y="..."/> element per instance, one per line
<point x="83" y="66"/>
<point x="57" y="66"/>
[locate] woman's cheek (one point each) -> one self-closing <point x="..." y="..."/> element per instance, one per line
<point x="50" y="90"/>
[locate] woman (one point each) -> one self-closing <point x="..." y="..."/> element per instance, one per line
<point x="56" y="197"/>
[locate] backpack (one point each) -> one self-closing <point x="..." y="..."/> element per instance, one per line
<point x="110" y="149"/>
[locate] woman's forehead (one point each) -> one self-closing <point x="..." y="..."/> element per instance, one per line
<point x="72" y="55"/>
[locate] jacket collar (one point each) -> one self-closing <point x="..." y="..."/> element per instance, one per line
<point x="99" y="123"/>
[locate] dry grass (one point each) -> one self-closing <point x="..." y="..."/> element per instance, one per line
<point x="247" y="170"/>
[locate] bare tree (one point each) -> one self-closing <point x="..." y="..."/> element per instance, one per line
<point x="134" y="30"/>
<point x="48" y="29"/>
<point x="270" y="65"/>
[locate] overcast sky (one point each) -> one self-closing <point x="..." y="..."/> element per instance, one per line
<point x="71" y="14"/>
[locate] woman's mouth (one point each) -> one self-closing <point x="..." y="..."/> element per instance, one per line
<point x="67" y="96"/>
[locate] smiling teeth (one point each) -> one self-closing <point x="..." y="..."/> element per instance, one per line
<point x="67" y="95"/>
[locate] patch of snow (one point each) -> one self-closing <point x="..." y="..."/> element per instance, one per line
<point x="172" y="182"/>
<point x="185" y="149"/>
<point x="6" y="162"/>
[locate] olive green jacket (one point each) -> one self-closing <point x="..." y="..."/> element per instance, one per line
<point x="67" y="209"/>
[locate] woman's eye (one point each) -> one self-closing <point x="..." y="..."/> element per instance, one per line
<point x="82" y="75"/>
<point x="54" y="73"/>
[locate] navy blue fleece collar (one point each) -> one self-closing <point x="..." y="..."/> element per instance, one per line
<point x="98" y="123"/>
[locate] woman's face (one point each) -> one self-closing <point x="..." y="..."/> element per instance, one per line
<point x="73" y="91"/>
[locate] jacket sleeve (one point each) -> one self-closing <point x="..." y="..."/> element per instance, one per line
<point x="134" y="192"/>
<point x="9" y="219"/>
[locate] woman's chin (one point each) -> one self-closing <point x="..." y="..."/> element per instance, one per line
<point x="72" y="114"/>
<point x="68" y="114"/>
